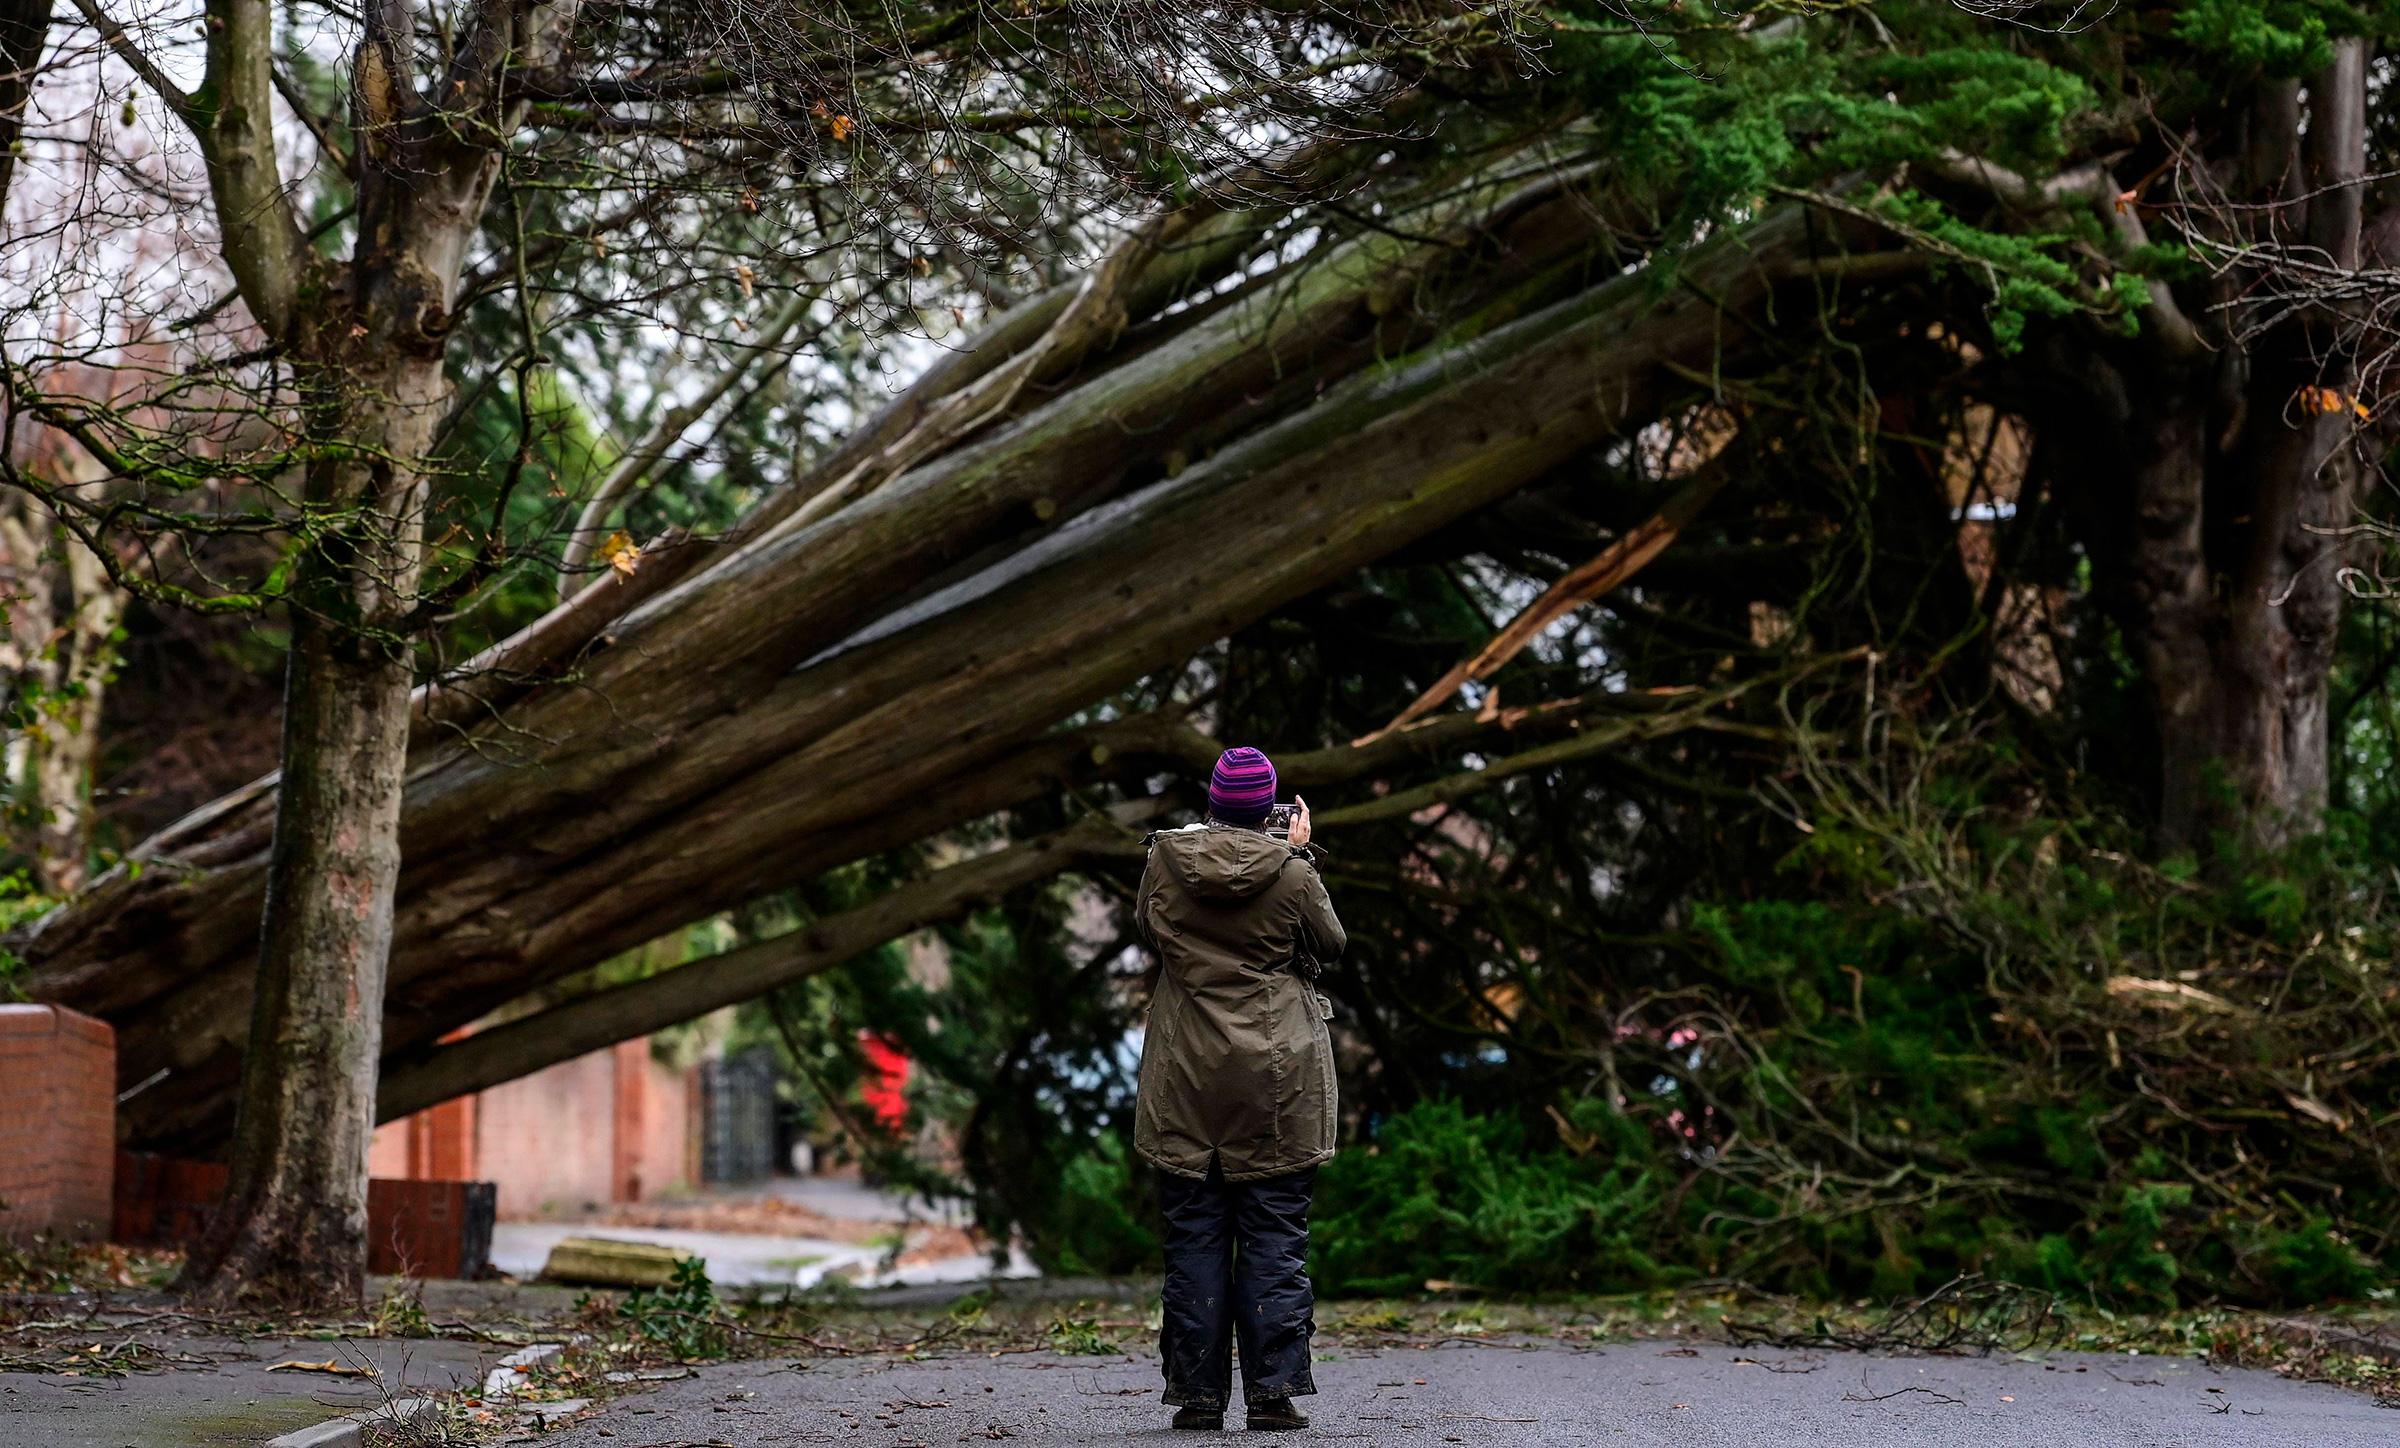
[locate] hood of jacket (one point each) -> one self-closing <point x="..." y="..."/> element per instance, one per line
<point x="1224" y="862"/>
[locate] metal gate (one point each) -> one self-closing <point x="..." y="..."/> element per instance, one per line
<point x="738" y="1095"/>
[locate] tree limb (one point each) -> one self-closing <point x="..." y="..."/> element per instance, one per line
<point x="1608" y="570"/>
<point x="2092" y="186"/>
<point x="563" y="1032"/>
<point x="1592" y="740"/>
<point x="24" y="30"/>
<point x="316" y="125"/>
<point x="644" y="455"/>
<point x="233" y="121"/>
<point x="136" y="60"/>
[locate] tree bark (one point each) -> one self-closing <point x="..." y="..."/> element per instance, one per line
<point x="2240" y="554"/>
<point x="2213" y="483"/>
<point x="24" y="30"/>
<point x="293" y="1225"/>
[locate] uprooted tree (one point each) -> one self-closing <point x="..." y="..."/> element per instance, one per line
<point x="1888" y="368"/>
<point x="469" y="181"/>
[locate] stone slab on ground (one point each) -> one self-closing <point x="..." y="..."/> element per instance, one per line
<point x="741" y="1260"/>
<point x="1636" y="1394"/>
<point x="234" y="1401"/>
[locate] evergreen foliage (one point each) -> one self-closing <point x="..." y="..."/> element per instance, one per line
<point x="1884" y="980"/>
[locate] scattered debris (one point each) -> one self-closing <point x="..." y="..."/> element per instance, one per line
<point x="1902" y="1393"/>
<point x="327" y="1366"/>
<point x="1967" y="1313"/>
<point x="652" y="1375"/>
<point x="513" y="1374"/>
<point x="550" y="1415"/>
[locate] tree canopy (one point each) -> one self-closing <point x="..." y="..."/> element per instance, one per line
<point x="1932" y="823"/>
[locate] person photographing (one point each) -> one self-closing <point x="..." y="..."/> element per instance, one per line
<point x="1236" y="1102"/>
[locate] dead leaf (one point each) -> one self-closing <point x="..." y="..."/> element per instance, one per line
<point x="622" y="553"/>
<point x="1579" y="1142"/>
<point x="327" y="1366"/>
<point x="2323" y="400"/>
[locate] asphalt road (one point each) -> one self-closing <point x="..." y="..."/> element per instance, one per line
<point x="1632" y="1394"/>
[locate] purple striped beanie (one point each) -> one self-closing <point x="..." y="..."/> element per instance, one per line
<point x="1242" y="787"/>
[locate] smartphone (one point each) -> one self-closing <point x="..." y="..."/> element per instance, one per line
<point x="1279" y="819"/>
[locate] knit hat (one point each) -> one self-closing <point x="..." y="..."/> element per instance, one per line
<point x="1242" y="787"/>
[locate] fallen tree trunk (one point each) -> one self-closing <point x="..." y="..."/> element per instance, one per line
<point x="569" y="766"/>
<point x="698" y="808"/>
<point x="564" y="1032"/>
<point x="603" y="1018"/>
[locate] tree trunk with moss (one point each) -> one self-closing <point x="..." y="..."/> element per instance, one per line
<point x="367" y="342"/>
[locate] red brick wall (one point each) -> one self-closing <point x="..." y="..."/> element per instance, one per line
<point x="58" y="1122"/>
<point x="163" y="1201"/>
<point x="614" y="1125"/>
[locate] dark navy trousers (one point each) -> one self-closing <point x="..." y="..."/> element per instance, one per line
<point x="1237" y="1271"/>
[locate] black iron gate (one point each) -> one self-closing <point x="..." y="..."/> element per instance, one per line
<point x="738" y="1099"/>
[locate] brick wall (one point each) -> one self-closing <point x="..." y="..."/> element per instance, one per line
<point x="613" y="1126"/>
<point x="58" y="1122"/>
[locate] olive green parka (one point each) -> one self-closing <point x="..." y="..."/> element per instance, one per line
<point x="1237" y="1063"/>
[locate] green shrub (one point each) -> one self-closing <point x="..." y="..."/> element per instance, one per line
<point x="1442" y="1194"/>
<point x="682" y="1317"/>
<point x="1096" y="1228"/>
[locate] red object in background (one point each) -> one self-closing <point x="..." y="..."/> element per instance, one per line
<point x="886" y="1081"/>
<point x="429" y="1228"/>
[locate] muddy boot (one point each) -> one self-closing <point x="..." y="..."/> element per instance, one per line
<point x="1276" y="1415"/>
<point x="1206" y="1420"/>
